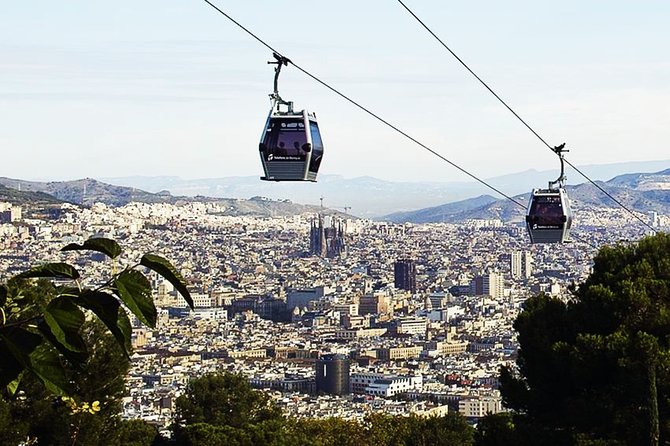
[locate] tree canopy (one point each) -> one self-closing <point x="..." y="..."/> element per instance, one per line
<point x="224" y="409"/>
<point x="596" y="369"/>
<point x="223" y="400"/>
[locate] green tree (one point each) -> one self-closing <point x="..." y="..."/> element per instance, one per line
<point x="596" y="369"/>
<point x="223" y="409"/>
<point x="65" y="347"/>
<point x="224" y="399"/>
<point x="11" y="431"/>
<point x="386" y="430"/>
<point x="226" y="406"/>
<point x="329" y="432"/>
<point x="496" y="430"/>
<point x="137" y="433"/>
<point x="54" y="421"/>
<point x="449" y="430"/>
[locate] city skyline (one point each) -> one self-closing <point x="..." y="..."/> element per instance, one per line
<point x="267" y="308"/>
<point x="175" y="89"/>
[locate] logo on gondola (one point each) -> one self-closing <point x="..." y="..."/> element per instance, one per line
<point x="270" y="157"/>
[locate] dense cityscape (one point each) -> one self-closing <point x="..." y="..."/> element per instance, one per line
<point x="330" y="314"/>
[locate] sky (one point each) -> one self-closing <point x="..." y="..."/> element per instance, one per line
<point x="173" y="88"/>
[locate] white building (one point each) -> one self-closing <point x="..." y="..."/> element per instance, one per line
<point x="480" y="406"/>
<point x="521" y="264"/>
<point x="411" y="325"/>
<point x="491" y="284"/>
<point x="219" y="314"/>
<point x="377" y="384"/>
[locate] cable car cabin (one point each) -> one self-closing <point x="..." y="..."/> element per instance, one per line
<point x="549" y="217"/>
<point x="291" y="147"/>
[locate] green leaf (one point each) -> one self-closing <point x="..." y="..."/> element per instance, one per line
<point x="110" y="312"/>
<point x="126" y="330"/>
<point x="26" y="351"/>
<point x="62" y="270"/>
<point x="75" y="358"/>
<point x="46" y="364"/>
<point x="135" y="291"/>
<point x="13" y="386"/>
<point x="10" y="367"/>
<point x="104" y="245"/>
<point x="65" y="320"/>
<point x="16" y="344"/>
<point x="167" y="271"/>
<point x="3" y="295"/>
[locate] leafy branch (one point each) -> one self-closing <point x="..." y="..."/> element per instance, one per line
<point x="36" y="336"/>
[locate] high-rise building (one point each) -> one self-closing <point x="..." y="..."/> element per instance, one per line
<point x="494" y="285"/>
<point x="520" y="264"/>
<point x="375" y="304"/>
<point x="438" y="300"/>
<point x="332" y="374"/>
<point x="490" y="284"/>
<point x="9" y="213"/>
<point x="404" y="273"/>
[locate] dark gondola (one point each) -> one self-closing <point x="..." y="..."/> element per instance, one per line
<point x="291" y="148"/>
<point x="549" y="216"/>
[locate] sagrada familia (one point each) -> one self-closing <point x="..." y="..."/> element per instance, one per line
<point x="327" y="242"/>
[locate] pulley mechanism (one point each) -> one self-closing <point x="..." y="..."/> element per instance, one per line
<point x="560" y="181"/>
<point x="274" y="96"/>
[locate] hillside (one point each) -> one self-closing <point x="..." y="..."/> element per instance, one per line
<point x="260" y="206"/>
<point x="373" y="197"/>
<point x="21" y="197"/>
<point x="441" y="213"/>
<point x="88" y="191"/>
<point x="643" y="181"/>
<point x="643" y="192"/>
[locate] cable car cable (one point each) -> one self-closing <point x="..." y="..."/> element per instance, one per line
<point x="610" y="196"/>
<point x="366" y="110"/>
<point x="519" y="117"/>
<point x="342" y="95"/>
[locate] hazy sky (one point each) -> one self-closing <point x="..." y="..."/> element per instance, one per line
<point x="109" y="89"/>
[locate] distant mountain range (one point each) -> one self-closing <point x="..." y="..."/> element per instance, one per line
<point x="372" y="197"/>
<point x="642" y="192"/>
<point x="365" y="195"/>
<point x="443" y="213"/>
<point x="18" y="197"/>
<point x="87" y="191"/>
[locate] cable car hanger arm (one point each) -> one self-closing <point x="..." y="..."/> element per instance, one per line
<point x="558" y="150"/>
<point x="276" y="99"/>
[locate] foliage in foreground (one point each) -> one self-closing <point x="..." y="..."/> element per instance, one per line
<point x="65" y="350"/>
<point x="596" y="370"/>
<point x="41" y="331"/>
<point x="91" y="411"/>
<point x="223" y="409"/>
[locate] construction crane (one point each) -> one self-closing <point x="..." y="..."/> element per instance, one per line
<point x="346" y="208"/>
